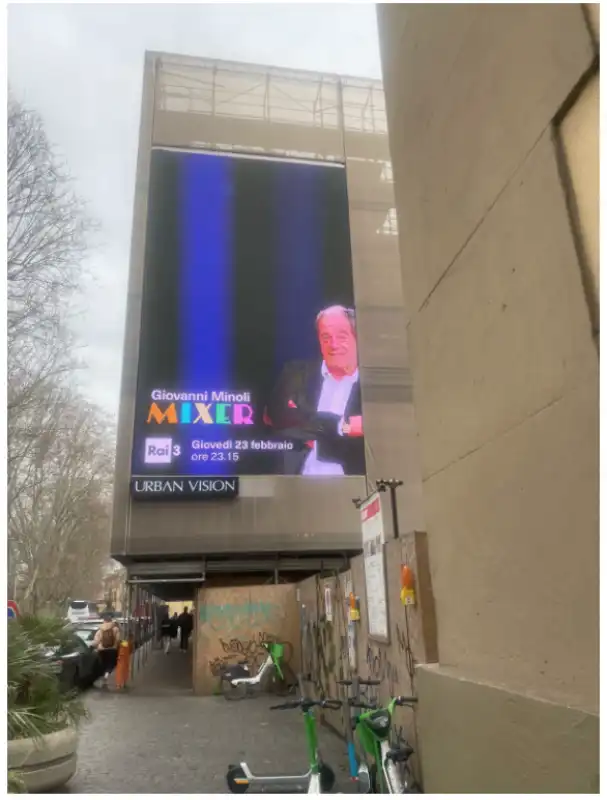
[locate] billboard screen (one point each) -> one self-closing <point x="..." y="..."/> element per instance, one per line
<point x="248" y="359"/>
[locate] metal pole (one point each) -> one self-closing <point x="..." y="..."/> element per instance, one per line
<point x="146" y="581"/>
<point x="130" y="628"/>
<point x="392" y="484"/>
<point x="146" y="626"/>
<point x="138" y="591"/>
<point x="395" y="528"/>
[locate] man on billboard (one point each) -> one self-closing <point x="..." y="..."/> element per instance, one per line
<point x="318" y="403"/>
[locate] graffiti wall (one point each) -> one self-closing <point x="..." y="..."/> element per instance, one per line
<point x="331" y="650"/>
<point x="233" y="624"/>
<point x="324" y="642"/>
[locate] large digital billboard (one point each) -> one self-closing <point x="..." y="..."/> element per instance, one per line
<point x="248" y="358"/>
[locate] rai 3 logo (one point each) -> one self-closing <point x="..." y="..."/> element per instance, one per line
<point x="160" y="450"/>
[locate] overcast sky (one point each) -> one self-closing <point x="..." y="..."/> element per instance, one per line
<point x="81" y="67"/>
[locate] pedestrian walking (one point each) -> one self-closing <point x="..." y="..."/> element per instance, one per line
<point x="106" y="642"/>
<point x="186" y="624"/>
<point x="166" y="629"/>
<point x="174" y="626"/>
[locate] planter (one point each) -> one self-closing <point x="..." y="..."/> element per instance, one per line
<point x="46" y="763"/>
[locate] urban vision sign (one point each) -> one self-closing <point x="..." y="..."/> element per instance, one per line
<point x="175" y="488"/>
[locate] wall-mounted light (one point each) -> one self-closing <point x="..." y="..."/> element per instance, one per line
<point x="407" y="585"/>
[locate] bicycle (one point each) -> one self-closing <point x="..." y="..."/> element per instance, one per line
<point x="319" y="778"/>
<point x="237" y="682"/>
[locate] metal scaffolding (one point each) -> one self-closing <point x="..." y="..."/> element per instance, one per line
<point x="266" y="110"/>
<point x="268" y="94"/>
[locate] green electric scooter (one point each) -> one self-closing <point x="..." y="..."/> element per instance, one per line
<point x="237" y="681"/>
<point x="319" y="777"/>
<point x="390" y="772"/>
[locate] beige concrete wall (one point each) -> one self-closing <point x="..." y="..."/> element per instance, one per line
<point x="593" y="15"/>
<point x="505" y="374"/>
<point x="579" y="135"/>
<point x="510" y="743"/>
<point x="231" y="624"/>
<point x="389" y="415"/>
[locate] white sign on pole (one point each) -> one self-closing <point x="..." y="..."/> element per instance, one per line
<point x="328" y="603"/>
<point x="375" y="575"/>
<point x="351" y="627"/>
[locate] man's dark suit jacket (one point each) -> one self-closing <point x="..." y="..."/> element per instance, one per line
<point x="292" y="412"/>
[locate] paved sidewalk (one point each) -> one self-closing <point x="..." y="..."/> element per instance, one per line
<point x="154" y="741"/>
<point x="163" y="674"/>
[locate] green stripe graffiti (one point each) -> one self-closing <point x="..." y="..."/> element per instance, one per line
<point x="233" y="615"/>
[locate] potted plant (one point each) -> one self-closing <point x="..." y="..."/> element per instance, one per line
<point x="42" y="717"/>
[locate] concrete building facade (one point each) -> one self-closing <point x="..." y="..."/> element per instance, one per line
<point x="285" y="525"/>
<point x="493" y="125"/>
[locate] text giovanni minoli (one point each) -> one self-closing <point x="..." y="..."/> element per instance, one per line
<point x="211" y="407"/>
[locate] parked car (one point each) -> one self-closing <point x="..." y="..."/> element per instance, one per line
<point x="81" y="610"/>
<point x="86" y="631"/>
<point x="79" y="664"/>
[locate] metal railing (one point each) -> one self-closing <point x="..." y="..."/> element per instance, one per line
<point x="271" y="95"/>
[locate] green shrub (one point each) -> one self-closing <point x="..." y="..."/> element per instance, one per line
<point x="36" y="702"/>
<point x="15" y="783"/>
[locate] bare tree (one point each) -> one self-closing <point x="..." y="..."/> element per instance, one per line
<point x="59" y="527"/>
<point x="46" y="231"/>
<point x="59" y="476"/>
<point x="46" y="239"/>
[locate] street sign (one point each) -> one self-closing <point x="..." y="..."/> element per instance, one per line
<point x="13" y="609"/>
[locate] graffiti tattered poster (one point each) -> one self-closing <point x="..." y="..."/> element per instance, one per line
<point x="375" y="569"/>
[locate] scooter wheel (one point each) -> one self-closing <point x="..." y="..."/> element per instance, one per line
<point x="410" y="785"/>
<point x="235" y="777"/>
<point x="373" y="781"/>
<point x="327" y="778"/>
<point x="285" y="686"/>
<point x="231" y="692"/>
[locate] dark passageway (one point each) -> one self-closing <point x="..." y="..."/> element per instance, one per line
<point x="165" y="674"/>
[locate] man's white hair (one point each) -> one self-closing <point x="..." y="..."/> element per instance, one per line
<point x="348" y="313"/>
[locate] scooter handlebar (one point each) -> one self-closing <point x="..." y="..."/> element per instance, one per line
<point x="361" y="682"/>
<point x="366" y="706"/>
<point x="334" y="704"/>
<point x="402" y="700"/>
<point x="305" y="703"/>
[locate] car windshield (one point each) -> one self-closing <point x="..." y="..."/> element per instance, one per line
<point x="80" y="646"/>
<point x="85" y="634"/>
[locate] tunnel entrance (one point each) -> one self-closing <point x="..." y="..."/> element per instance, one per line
<point x="163" y="667"/>
<point x="167" y="669"/>
<point x="247" y="602"/>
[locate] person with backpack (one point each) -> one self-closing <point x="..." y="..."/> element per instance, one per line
<point x="106" y="642"/>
